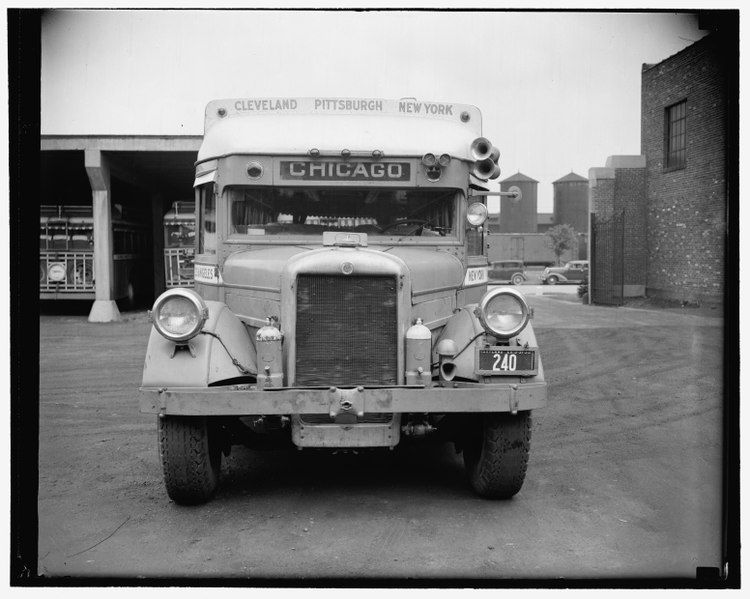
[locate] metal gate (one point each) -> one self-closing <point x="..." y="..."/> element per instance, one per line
<point x="607" y="270"/>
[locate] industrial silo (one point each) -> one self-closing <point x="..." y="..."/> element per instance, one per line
<point x="571" y="202"/>
<point x="519" y="215"/>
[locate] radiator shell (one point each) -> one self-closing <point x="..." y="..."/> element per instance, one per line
<point x="346" y="330"/>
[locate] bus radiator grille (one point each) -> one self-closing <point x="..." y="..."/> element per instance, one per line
<point x="346" y="332"/>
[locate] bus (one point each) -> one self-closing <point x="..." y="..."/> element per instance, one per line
<point x="179" y="244"/>
<point x="341" y="296"/>
<point x="66" y="254"/>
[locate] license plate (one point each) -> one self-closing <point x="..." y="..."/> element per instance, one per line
<point x="504" y="360"/>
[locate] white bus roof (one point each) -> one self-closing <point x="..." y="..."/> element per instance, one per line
<point x="405" y="127"/>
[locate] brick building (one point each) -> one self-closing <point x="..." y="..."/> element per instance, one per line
<point x="685" y="118"/>
<point x="670" y="203"/>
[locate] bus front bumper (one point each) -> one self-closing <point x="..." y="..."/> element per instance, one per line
<point x="245" y="400"/>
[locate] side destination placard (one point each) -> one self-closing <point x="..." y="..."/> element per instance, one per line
<point x="290" y="170"/>
<point x="206" y="273"/>
<point x="476" y="276"/>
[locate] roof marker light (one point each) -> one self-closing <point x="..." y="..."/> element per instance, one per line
<point x="444" y="159"/>
<point x="346" y="153"/>
<point x="254" y="170"/>
<point x="377" y="154"/>
<point x="314" y="153"/>
<point x="429" y="160"/>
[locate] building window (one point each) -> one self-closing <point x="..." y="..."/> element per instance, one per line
<point x="675" y="143"/>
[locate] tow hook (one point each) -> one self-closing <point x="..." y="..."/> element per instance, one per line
<point x="346" y="401"/>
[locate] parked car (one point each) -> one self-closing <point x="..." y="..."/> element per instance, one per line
<point x="513" y="271"/>
<point x="574" y="271"/>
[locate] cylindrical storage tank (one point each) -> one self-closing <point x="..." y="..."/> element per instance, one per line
<point x="571" y="202"/>
<point x="519" y="215"/>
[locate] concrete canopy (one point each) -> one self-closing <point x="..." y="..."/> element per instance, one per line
<point x="141" y="173"/>
<point x="162" y="165"/>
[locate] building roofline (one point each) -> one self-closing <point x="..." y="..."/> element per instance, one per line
<point x="571" y="177"/>
<point x="519" y="177"/>
<point x="645" y="67"/>
<point x="122" y="143"/>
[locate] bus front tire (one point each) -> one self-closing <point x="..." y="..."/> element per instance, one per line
<point x="496" y="454"/>
<point x="191" y="458"/>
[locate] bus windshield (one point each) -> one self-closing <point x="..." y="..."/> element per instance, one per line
<point x="312" y="210"/>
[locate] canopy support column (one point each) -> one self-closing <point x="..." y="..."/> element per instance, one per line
<point x="104" y="308"/>
<point x="157" y="234"/>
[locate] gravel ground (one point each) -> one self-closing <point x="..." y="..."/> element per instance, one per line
<point x="624" y="478"/>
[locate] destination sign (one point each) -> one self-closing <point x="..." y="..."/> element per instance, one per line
<point x="344" y="171"/>
<point x="469" y="116"/>
<point x="345" y="105"/>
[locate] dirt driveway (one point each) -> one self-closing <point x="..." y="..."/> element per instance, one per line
<point x="624" y="477"/>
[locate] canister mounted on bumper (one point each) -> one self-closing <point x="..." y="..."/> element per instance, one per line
<point x="268" y="346"/>
<point x="418" y="355"/>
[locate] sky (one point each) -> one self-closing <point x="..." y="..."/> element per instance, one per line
<point x="559" y="92"/>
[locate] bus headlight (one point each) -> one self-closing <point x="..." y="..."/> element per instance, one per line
<point x="476" y="214"/>
<point x="179" y="314"/>
<point x="504" y="312"/>
<point x="56" y="272"/>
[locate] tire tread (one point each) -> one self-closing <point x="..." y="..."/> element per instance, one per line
<point x="189" y="461"/>
<point x="499" y="470"/>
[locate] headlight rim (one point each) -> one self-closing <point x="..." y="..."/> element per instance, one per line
<point x="489" y="296"/>
<point x="193" y="298"/>
<point x="58" y="264"/>
<point x="484" y="214"/>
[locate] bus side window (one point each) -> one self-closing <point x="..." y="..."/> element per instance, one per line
<point x="207" y="219"/>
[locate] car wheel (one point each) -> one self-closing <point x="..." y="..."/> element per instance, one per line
<point x="191" y="458"/>
<point x="496" y="454"/>
<point x="552" y="280"/>
<point x="517" y="279"/>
